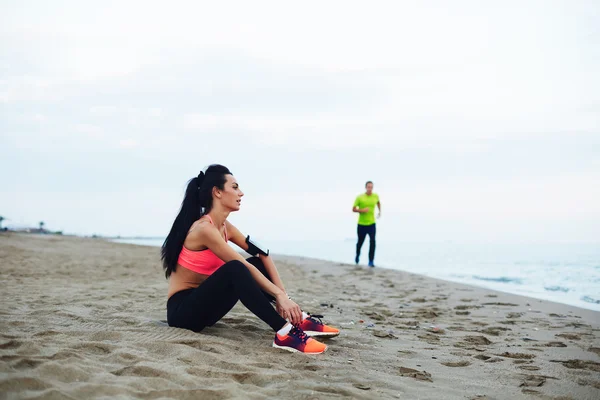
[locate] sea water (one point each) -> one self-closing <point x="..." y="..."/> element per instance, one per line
<point x="564" y="273"/>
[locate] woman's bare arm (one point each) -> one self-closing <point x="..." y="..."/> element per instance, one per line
<point x="210" y="237"/>
<point x="240" y="240"/>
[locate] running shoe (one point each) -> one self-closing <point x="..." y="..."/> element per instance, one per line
<point x="297" y="341"/>
<point x="313" y="326"/>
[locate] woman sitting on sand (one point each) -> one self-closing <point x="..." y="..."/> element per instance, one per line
<point x="208" y="277"/>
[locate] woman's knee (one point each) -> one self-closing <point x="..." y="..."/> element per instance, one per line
<point x="235" y="267"/>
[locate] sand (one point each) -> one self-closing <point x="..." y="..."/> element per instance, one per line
<point x="85" y="318"/>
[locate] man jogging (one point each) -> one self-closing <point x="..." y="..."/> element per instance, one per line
<point x="364" y="205"/>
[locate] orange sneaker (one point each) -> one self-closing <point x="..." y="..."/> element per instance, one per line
<point x="297" y="341"/>
<point x="313" y="326"/>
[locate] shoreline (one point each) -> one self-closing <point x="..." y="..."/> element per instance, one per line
<point x="84" y="318"/>
<point x="544" y="297"/>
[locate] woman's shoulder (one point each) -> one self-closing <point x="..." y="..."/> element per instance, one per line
<point x="199" y="225"/>
<point x="228" y="224"/>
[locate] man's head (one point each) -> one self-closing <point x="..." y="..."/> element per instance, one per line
<point x="369" y="187"/>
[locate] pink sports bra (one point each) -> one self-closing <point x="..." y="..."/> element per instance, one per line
<point x="204" y="262"/>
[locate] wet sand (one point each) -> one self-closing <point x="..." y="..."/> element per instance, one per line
<point x="85" y="318"/>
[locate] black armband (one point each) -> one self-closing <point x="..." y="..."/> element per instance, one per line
<point x="255" y="248"/>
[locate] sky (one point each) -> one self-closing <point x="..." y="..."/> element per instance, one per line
<point x="476" y="121"/>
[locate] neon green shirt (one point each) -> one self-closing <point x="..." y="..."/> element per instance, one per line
<point x="363" y="201"/>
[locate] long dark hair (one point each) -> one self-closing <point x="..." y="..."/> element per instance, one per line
<point x="197" y="202"/>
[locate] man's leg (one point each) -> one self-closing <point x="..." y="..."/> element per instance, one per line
<point x="372" y="231"/>
<point x="362" y="233"/>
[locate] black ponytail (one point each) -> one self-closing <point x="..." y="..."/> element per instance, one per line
<point x="197" y="202"/>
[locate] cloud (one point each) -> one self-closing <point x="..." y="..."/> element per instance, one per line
<point x="128" y="143"/>
<point x="91" y="131"/>
<point x="40" y="118"/>
<point x="28" y="89"/>
<point x="454" y="110"/>
<point x="104" y="111"/>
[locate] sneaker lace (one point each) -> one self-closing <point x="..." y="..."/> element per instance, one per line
<point x="298" y="333"/>
<point x="315" y="317"/>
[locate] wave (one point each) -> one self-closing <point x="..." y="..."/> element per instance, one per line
<point x="589" y="299"/>
<point x="502" y="279"/>
<point x="556" y="289"/>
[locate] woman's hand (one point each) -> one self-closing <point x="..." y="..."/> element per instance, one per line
<point x="288" y="309"/>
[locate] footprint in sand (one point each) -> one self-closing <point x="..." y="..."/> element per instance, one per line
<point x="466" y="307"/>
<point x="520" y="356"/>
<point x="554" y="344"/>
<point x="407" y="353"/>
<point x="569" y="336"/>
<point x="479" y="340"/>
<point x="577" y="325"/>
<point x="588" y="382"/>
<point x="361" y="386"/>
<point x="22" y="384"/>
<point x="143" y="371"/>
<point x="195" y="344"/>
<point x="494" y="330"/>
<point x="386" y="312"/>
<point x="128" y="357"/>
<point x="529" y="367"/>
<point x="27" y="363"/>
<point x="413" y="373"/>
<point x="252" y="378"/>
<point x="46" y="333"/>
<point x="533" y="381"/>
<point x="456" y="364"/>
<point x="419" y="300"/>
<point x="426" y="313"/>
<point x="94" y="348"/>
<point x="384" y="334"/>
<point x="11" y="344"/>
<point x="429" y="338"/>
<point x="595" y="350"/>
<point x="514" y="315"/>
<point x="580" y="364"/>
<point x="375" y="316"/>
<point x="306" y="367"/>
<point x="530" y="391"/>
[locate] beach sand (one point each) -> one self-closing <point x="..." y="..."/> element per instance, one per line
<point x="85" y="318"/>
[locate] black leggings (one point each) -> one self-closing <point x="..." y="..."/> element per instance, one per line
<point x="203" y="306"/>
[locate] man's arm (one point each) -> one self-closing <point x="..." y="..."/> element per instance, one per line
<point x="360" y="210"/>
<point x="379" y="208"/>
<point x="355" y="207"/>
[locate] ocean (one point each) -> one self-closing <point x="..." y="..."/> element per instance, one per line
<point x="564" y="273"/>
